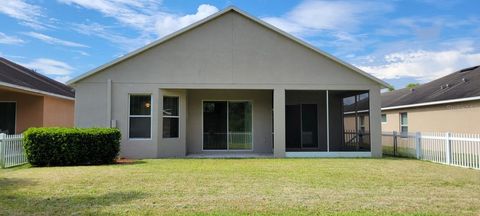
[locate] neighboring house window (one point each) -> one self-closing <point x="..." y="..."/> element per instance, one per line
<point x="170" y="117"/>
<point x="403" y="123"/>
<point x="384" y="118"/>
<point x="140" y="118"/>
<point x="7" y="117"/>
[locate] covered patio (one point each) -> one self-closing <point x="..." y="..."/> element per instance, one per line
<point x="237" y="123"/>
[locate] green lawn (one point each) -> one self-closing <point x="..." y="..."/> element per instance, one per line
<point x="242" y="186"/>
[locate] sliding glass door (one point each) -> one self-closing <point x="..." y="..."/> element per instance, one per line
<point x="215" y="125"/>
<point x="301" y="126"/>
<point x="227" y="125"/>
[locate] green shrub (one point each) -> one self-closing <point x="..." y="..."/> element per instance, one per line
<point x="71" y="146"/>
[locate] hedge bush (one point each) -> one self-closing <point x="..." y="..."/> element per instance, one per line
<point x="71" y="146"/>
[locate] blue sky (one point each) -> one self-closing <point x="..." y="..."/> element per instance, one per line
<point x="398" y="41"/>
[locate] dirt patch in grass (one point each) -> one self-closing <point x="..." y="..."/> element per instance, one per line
<point x="125" y="161"/>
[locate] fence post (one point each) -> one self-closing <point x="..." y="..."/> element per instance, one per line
<point x="394" y="143"/>
<point x="2" y="150"/>
<point x="418" y="145"/>
<point x="448" y="148"/>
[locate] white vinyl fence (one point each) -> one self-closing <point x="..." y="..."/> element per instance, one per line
<point x="448" y="148"/>
<point x="11" y="150"/>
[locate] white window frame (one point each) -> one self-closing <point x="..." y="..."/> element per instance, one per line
<point x="168" y="116"/>
<point x="144" y="116"/>
<point x="401" y="123"/>
<point x="381" y="118"/>
<point x="228" y="144"/>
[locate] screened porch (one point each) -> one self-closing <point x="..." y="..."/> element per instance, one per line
<point x="327" y="121"/>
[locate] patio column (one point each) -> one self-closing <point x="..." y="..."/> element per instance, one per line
<point x="279" y="122"/>
<point x="375" y="122"/>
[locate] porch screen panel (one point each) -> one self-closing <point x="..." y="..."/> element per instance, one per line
<point x="293" y="127"/>
<point x="349" y="121"/>
<point x="239" y="125"/>
<point x="309" y="126"/>
<point x="215" y="125"/>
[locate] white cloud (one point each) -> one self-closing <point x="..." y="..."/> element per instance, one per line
<point x="169" y="23"/>
<point x="62" y="79"/>
<point x="83" y="53"/>
<point x="50" y="67"/>
<point x="310" y="16"/>
<point x="108" y="33"/>
<point x="52" y="40"/>
<point x="424" y="65"/>
<point x="145" y="16"/>
<point x="26" y="13"/>
<point x="11" y="40"/>
<point x="133" y="13"/>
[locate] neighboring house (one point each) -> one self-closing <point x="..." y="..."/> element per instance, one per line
<point x="356" y="121"/>
<point x="230" y="83"/>
<point x="29" y="99"/>
<point x="447" y="104"/>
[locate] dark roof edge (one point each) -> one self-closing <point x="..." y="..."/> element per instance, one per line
<point x="23" y="88"/>
<point x="432" y="103"/>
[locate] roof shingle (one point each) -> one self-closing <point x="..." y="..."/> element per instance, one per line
<point x="16" y="74"/>
<point x="464" y="83"/>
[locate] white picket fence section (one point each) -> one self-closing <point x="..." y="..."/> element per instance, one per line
<point x="456" y="149"/>
<point x="11" y="150"/>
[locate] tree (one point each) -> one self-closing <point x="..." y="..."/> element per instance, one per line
<point x="412" y="85"/>
<point x="391" y="88"/>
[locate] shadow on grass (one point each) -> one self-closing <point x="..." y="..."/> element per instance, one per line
<point x="14" y="201"/>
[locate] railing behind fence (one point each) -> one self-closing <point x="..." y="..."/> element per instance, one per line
<point x="447" y="148"/>
<point x="11" y="150"/>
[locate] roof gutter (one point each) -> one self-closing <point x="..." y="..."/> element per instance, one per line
<point x="35" y="91"/>
<point x="432" y="103"/>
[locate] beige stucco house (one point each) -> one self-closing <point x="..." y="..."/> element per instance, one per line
<point x="447" y="104"/>
<point x="29" y="99"/>
<point x="229" y="84"/>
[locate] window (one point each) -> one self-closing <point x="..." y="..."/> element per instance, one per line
<point x="227" y="125"/>
<point x="403" y="123"/>
<point x="7" y="117"/>
<point x="140" y="117"/>
<point x="170" y="117"/>
<point x="384" y="118"/>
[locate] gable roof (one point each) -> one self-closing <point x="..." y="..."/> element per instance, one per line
<point x="462" y="85"/>
<point x="211" y="17"/>
<point x="13" y="75"/>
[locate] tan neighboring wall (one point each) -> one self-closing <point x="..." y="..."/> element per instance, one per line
<point x="29" y="111"/>
<point x="349" y="122"/>
<point x="463" y="117"/>
<point x="58" y="112"/>
<point x="38" y="110"/>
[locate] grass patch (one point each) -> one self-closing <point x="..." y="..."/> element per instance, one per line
<point x="243" y="186"/>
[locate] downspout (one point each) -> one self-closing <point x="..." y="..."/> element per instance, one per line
<point x="109" y="103"/>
